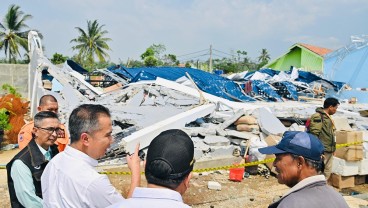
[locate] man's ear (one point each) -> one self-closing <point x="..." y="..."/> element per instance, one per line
<point x="39" y="108"/>
<point x="34" y="130"/>
<point x="301" y="160"/>
<point x="187" y="180"/>
<point x="85" y="139"/>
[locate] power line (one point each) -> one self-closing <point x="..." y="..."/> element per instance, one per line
<point x="223" y="52"/>
<point x="192" y="53"/>
<point x="194" y="57"/>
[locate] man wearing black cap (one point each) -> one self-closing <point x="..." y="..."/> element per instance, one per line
<point x="299" y="165"/>
<point x="169" y="163"/>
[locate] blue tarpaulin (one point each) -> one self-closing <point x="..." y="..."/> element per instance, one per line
<point x="262" y="88"/>
<point x="207" y="82"/>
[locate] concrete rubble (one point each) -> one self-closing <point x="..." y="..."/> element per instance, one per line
<point x="142" y="110"/>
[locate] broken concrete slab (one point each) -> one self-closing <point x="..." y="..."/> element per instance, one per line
<point x="216" y="140"/>
<point x="341" y="123"/>
<point x="269" y="123"/>
<point x="344" y="168"/>
<point x="221" y="151"/>
<point x="195" y="131"/>
<point x="146" y="135"/>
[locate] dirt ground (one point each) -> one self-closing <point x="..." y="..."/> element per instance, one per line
<point x="256" y="191"/>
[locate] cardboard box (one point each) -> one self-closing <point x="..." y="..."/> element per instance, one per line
<point x="343" y="137"/>
<point x="360" y="179"/>
<point x="341" y="182"/>
<point x="350" y="153"/>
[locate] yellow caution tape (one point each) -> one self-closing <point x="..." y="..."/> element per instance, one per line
<point x="347" y="144"/>
<point x="226" y="167"/>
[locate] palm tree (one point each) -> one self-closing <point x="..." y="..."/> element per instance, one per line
<point x="264" y="57"/>
<point x="11" y="34"/>
<point x="91" y="43"/>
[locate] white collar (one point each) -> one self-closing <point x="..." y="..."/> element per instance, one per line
<point x="74" y="153"/>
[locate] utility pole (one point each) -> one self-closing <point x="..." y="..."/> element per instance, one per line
<point x="210" y="58"/>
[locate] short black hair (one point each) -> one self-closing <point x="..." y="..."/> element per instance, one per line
<point x="330" y="102"/>
<point x="40" y="116"/>
<point x="46" y="98"/>
<point x="85" y="119"/>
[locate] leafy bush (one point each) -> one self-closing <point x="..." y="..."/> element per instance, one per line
<point x="10" y="89"/>
<point x="4" y="119"/>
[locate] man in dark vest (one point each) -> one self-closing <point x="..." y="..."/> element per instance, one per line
<point x="25" y="169"/>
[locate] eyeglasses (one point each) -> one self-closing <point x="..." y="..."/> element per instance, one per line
<point x="51" y="130"/>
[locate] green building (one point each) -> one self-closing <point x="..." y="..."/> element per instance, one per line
<point x="300" y="55"/>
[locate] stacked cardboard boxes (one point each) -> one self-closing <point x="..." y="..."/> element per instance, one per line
<point x="349" y="164"/>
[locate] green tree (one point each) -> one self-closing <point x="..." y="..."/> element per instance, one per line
<point x="152" y="55"/>
<point x="12" y="34"/>
<point x="170" y="60"/>
<point x="91" y="43"/>
<point x="150" y="61"/>
<point x="58" y="58"/>
<point x="263" y="58"/>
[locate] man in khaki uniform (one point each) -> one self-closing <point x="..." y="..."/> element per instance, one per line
<point x="322" y="126"/>
<point x="47" y="103"/>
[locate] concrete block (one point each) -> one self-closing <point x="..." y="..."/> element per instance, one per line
<point x="216" y="140"/>
<point x="221" y="151"/>
<point x="363" y="167"/>
<point x="345" y="168"/>
<point x="197" y="153"/>
<point x="213" y="185"/>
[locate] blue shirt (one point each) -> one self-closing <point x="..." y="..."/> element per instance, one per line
<point x="23" y="182"/>
<point x="152" y="198"/>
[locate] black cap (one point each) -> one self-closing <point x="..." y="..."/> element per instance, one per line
<point x="172" y="149"/>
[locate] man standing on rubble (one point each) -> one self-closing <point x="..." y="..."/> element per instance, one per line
<point x="299" y="165"/>
<point x="169" y="163"/>
<point x="25" y="169"/>
<point x="47" y="103"/>
<point x="322" y="126"/>
<point x="70" y="179"/>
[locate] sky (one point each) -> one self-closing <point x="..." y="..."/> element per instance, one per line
<point x="187" y="26"/>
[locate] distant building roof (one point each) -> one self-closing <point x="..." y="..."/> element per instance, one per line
<point x="318" y="50"/>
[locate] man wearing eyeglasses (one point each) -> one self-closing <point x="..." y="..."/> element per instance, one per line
<point x="70" y="179"/>
<point x="25" y="169"/>
<point x="47" y="103"/>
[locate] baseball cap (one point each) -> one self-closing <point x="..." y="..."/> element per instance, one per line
<point x="170" y="155"/>
<point x="297" y="143"/>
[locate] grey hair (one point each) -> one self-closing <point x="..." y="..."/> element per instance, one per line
<point x="318" y="165"/>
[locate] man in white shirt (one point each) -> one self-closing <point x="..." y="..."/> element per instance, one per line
<point x="25" y="169"/>
<point x="70" y="179"/>
<point x="170" y="160"/>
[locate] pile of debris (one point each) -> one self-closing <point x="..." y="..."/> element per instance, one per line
<point x="210" y="108"/>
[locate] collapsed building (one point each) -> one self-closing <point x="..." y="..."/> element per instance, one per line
<point x="218" y="113"/>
